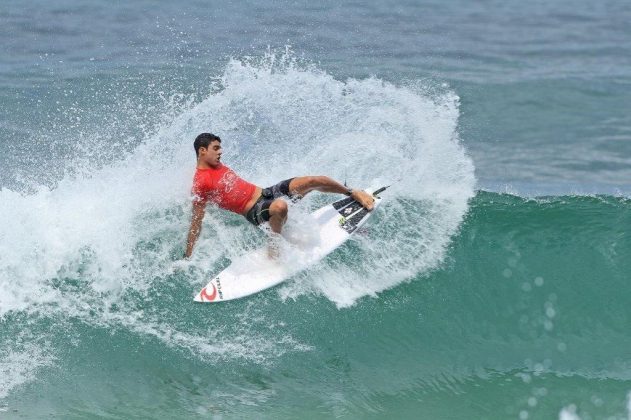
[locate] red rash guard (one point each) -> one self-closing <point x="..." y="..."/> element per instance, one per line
<point x="222" y="187"/>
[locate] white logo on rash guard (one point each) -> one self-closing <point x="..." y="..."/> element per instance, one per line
<point x="228" y="181"/>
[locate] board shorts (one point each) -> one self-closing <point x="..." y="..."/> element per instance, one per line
<point x="259" y="213"/>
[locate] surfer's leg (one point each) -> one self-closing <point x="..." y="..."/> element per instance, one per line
<point x="303" y="185"/>
<point x="277" y="215"/>
<point x="277" y="218"/>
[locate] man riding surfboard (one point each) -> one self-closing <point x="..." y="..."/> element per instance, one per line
<point x="216" y="183"/>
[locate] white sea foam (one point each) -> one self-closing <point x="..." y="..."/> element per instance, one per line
<point x="21" y="358"/>
<point x="569" y="413"/>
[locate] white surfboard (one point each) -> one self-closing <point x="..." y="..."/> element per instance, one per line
<point x="254" y="272"/>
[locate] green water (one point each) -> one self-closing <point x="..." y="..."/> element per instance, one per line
<point x="528" y="313"/>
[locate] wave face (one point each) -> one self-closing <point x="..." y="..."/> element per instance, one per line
<point x="526" y="314"/>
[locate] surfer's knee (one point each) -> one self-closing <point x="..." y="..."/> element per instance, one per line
<point x="278" y="208"/>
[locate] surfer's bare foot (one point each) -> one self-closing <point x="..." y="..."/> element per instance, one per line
<point x="364" y="199"/>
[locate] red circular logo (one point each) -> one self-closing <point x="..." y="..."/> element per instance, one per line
<point x="209" y="297"/>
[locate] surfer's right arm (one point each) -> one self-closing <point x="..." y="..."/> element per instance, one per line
<point x="199" y="208"/>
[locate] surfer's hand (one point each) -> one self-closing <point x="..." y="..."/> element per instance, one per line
<point x="363" y="198"/>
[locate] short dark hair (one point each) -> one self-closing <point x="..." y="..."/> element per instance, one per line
<point x="203" y="140"/>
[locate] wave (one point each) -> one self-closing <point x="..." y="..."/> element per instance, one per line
<point x="528" y="307"/>
<point x="447" y="292"/>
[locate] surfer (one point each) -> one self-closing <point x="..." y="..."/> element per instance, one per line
<point x="217" y="183"/>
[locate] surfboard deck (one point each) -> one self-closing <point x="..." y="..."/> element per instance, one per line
<point x="254" y="272"/>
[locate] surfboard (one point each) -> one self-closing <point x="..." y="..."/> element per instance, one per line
<point x="254" y="272"/>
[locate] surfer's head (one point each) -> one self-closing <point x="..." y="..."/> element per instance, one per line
<point x="208" y="149"/>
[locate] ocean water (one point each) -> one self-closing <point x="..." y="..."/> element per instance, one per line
<point x="491" y="283"/>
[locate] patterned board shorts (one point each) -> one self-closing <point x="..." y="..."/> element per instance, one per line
<point x="259" y="213"/>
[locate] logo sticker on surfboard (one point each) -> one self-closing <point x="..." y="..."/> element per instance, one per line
<point x="209" y="296"/>
<point x="206" y="297"/>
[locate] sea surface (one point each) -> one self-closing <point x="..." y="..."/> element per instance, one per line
<point x="492" y="283"/>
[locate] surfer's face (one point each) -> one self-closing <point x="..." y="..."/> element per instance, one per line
<point x="212" y="154"/>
